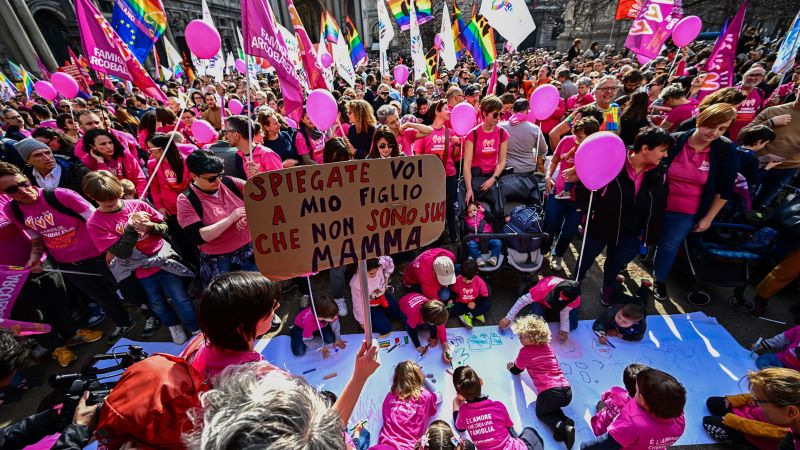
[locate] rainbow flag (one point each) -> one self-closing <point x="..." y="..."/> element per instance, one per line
<point x="357" y="53"/>
<point x="330" y="28"/>
<point x="400" y="8"/>
<point x="7" y="88"/>
<point x="23" y="76"/>
<point x="139" y="23"/>
<point x="458" y="27"/>
<point x="478" y="38"/>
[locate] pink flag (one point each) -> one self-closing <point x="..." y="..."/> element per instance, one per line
<point x="652" y="27"/>
<point x="108" y="54"/>
<point x="12" y="280"/>
<point x="311" y="64"/>
<point x="262" y="38"/>
<point x="492" y="88"/>
<point x="721" y="62"/>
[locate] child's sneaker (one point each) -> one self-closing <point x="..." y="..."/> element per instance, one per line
<point x="466" y="320"/>
<point x="555" y="264"/>
<point x="492" y="261"/>
<point x="151" y="326"/>
<point x="96" y="315"/>
<point x="564" y="195"/>
<point x="480" y="318"/>
<point x="64" y="356"/>
<point x="84" y="336"/>
<point x="177" y="333"/>
<point x="660" y="291"/>
<point x="481" y="262"/>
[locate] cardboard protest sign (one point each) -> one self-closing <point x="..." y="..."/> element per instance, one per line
<point x="306" y="219"/>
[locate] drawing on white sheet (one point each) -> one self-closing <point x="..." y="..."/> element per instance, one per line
<point x="566" y="368"/>
<point x="460" y="356"/>
<point x="369" y="410"/>
<point x="456" y="340"/>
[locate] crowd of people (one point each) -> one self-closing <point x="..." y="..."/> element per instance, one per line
<point x="111" y="197"/>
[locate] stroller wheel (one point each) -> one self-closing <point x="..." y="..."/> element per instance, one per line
<point x="698" y="297"/>
<point x="742" y="303"/>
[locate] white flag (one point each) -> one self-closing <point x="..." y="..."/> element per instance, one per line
<point x="448" y="50"/>
<point x="166" y="73"/>
<point x="386" y="33"/>
<point x="240" y="41"/>
<point x="511" y="18"/>
<point x="293" y="46"/>
<point x="417" y="53"/>
<point x="230" y="63"/>
<point x="173" y="57"/>
<point x="216" y="65"/>
<point x="322" y="49"/>
<point x="344" y="66"/>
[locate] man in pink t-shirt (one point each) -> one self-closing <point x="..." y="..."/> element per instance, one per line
<point x="749" y="108"/>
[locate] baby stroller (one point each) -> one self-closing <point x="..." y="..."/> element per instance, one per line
<point x="491" y="202"/>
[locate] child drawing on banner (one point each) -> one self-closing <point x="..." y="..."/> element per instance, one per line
<point x="381" y="301"/>
<point x="306" y="326"/>
<point x="418" y="311"/>
<point x="550" y="294"/>
<point x="475" y="223"/>
<point x="487" y="421"/>
<point x="626" y="317"/>
<point x="407" y="408"/>
<point x="355" y="438"/>
<point x="440" y="436"/>
<point x="782" y="350"/>
<point x="652" y="421"/>
<point x="553" y="390"/>
<point x="564" y="156"/>
<point x="613" y="400"/>
<point x="471" y="295"/>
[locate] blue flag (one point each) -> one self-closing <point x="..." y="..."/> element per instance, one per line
<point x="139" y="23"/>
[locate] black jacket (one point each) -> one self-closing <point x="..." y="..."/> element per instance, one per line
<point x="723" y="165"/>
<point x="72" y="173"/>
<point x="29" y="430"/>
<point x="617" y="211"/>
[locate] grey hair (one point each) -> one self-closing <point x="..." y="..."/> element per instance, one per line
<point x="586" y="81"/>
<point x="674" y="90"/>
<point x="384" y="112"/>
<point x="255" y="406"/>
<point x="608" y="78"/>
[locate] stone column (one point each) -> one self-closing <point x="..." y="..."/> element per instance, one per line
<point x="20" y="37"/>
<point x="35" y="34"/>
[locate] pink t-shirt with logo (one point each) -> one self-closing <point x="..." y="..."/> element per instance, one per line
<point x="466" y="293"/>
<point x="486" y="152"/>
<point x="542" y="365"/>
<point x="66" y="238"/>
<point x="687" y="176"/>
<point x="487" y="423"/>
<point x="434" y="144"/>
<point x="636" y="429"/>
<point x="316" y="150"/>
<point x="746" y="112"/>
<point x="216" y="207"/>
<point x="614" y="400"/>
<point x="107" y="228"/>
<point x="15" y="243"/>
<point x="405" y="421"/>
<point x="305" y="320"/>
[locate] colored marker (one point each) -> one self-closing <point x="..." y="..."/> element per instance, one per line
<point x="755" y="346"/>
<point x="310" y="370"/>
<point x="329" y="376"/>
<point x="393" y="347"/>
<point x="360" y="422"/>
<point x="601" y="334"/>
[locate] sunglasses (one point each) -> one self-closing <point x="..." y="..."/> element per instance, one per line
<point x="11" y="190"/>
<point x="214" y="178"/>
<point x="385" y="146"/>
<point x="493" y="115"/>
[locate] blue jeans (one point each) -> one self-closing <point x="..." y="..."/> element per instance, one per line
<point x="540" y="310"/>
<point x="161" y="282"/>
<point x="675" y="229"/>
<point x="771" y="184"/>
<point x="443" y="294"/>
<point x="380" y="315"/>
<point x="299" y="347"/>
<point x="561" y="218"/>
<point x="617" y="257"/>
<point x="768" y="360"/>
<point x="474" y="247"/>
<point x="225" y="265"/>
<point x="362" y="443"/>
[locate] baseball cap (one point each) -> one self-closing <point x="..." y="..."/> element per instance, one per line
<point x="445" y="270"/>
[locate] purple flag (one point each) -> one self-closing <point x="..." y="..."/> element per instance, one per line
<point x="262" y="38"/>
<point x="721" y="63"/>
<point x="652" y="27"/>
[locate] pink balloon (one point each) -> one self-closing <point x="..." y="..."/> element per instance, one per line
<point x="241" y="66"/>
<point x="203" y="39"/>
<point x="186" y="149"/>
<point x="544" y="101"/>
<point x="437" y="41"/>
<point x="322" y="109"/>
<point x="686" y="30"/>
<point x="401" y="74"/>
<point x="290" y="122"/>
<point x="45" y="90"/>
<point x="235" y="106"/>
<point x="462" y="118"/>
<point x="599" y="159"/>
<point x="326" y="60"/>
<point x="203" y="132"/>
<point x="65" y="84"/>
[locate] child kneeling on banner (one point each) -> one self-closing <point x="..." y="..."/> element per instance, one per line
<point x="653" y="420"/>
<point x="321" y="318"/>
<point x="551" y="294"/>
<point x="613" y="400"/>
<point x="782" y="350"/>
<point x="408" y="407"/>
<point x="440" y="436"/>
<point x="487" y="421"/>
<point x="553" y="390"/>
<point x="419" y="310"/>
<point x="626" y="317"/>
<point x="471" y="295"/>
<point x="381" y="301"/>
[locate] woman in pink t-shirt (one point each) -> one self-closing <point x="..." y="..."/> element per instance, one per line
<point x="309" y="141"/>
<point x="702" y="170"/>
<point x="485" y="148"/>
<point x="553" y="389"/>
<point x="407" y="407"/>
<point x="103" y="151"/>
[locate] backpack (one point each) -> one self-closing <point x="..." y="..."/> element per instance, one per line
<point x="524" y="219"/>
<point x="50" y="198"/>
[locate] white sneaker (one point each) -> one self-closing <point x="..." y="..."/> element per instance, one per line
<point x="481" y="262"/>
<point x="342" y="307"/>
<point x="304" y="301"/>
<point x="177" y="333"/>
<point x="492" y="261"/>
<point x="555" y="263"/>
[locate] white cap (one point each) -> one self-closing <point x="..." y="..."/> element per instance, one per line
<point x="445" y="270"/>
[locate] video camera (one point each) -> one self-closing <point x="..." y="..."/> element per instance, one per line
<point x="74" y="385"/>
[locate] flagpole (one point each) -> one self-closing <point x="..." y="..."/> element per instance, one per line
<point x="611" y="35"/>
<point x="249" y="112"/>
<point x="163" y="152"/>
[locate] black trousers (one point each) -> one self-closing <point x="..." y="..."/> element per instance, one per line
<point x="721" y="432"/>
<point x="549" y="404"/>
<point x="102" y="289"/>
<point x="47" y="292"/>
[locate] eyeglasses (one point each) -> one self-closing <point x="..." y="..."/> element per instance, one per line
<point x="214" y="178"/>
<point x="607" y="89"/>
<point x="229" y="131"/>
<point x="512" y="91"/>
<point x="11" y="190"/>
<point x="759" y="402"/>
<point x="383" y="92"/>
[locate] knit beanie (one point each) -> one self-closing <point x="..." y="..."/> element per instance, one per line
<point x="27" y="146"/>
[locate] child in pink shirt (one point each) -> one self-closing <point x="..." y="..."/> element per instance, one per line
<point x="441" y="437"/>
<point x="782" y="350"/>
<point x="613" y="400"/>
<point x="653" y="421"/>
<point x="487" y="421"/>
<point x="419" y="310"/>
<point x="407" y="408"/>
<point x="475" y="223"/>
<point x="471" y="295"/>
<point x="553" y="390"/>
<point x="321" y="318"/>
<point x="550" y="294"/>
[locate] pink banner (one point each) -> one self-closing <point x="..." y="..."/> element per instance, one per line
<point x="108" y="54"/>
<point x="721" y="63"/>
<point x="652" y="27"/>
<point x="12" y="279"/>
<point x="262" y="38"/>
<point x="311" y="64"/>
